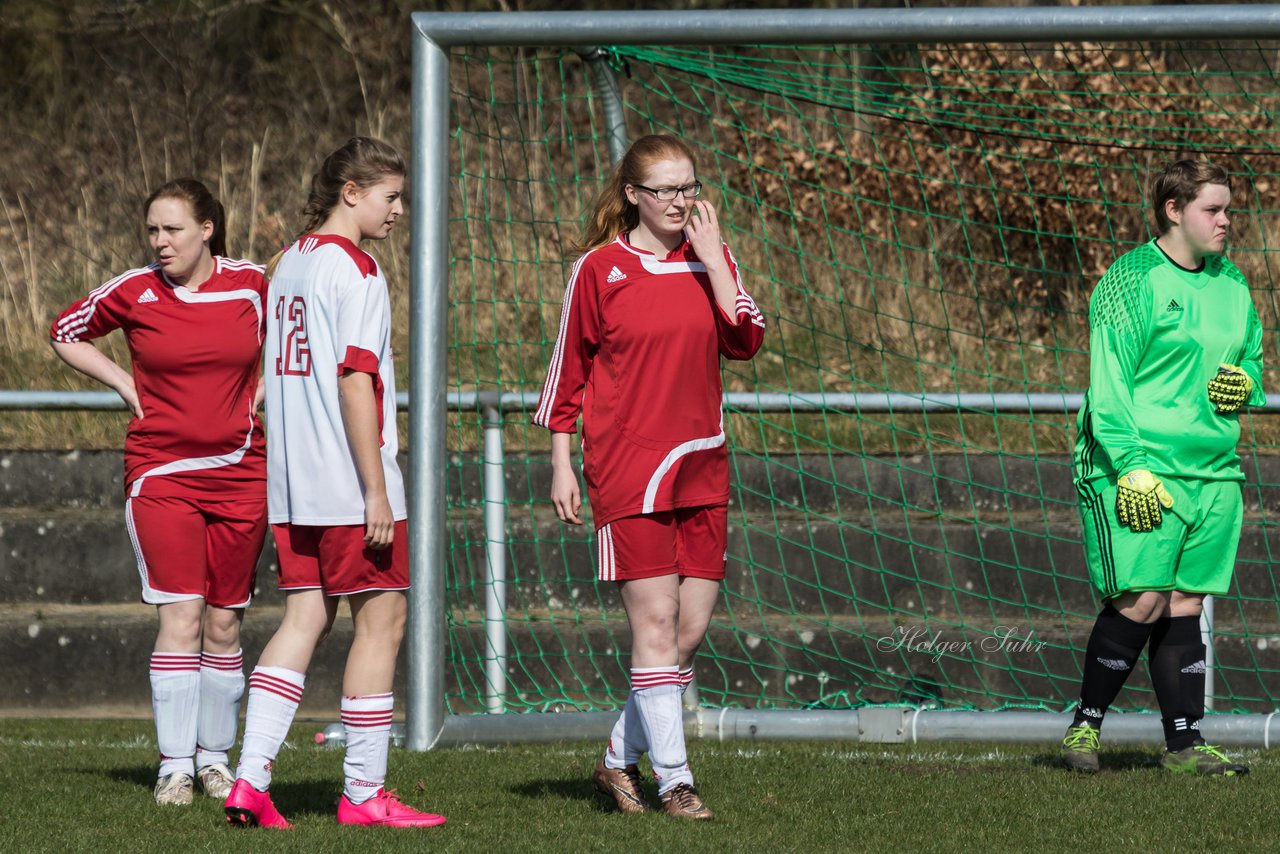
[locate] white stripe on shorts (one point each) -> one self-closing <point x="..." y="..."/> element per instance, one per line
<point x="607" y="569"/>
<point x="150" y="595"/>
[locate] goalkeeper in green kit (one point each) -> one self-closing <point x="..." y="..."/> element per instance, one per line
<point x="1175" y="351"/>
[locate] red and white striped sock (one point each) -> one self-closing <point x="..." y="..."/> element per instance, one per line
<point x="367" y="721"/>
<point x="657" y="693"/>
<point x="221" y="687"/>
<point x="627" y="742"/>
<point x="274" y="695"/>
<point x="686" y="678"/>
<point x="175" y="693"/>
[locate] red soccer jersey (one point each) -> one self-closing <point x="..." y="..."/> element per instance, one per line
<point x="196" y="360"/>
<point x="638" y="355"/>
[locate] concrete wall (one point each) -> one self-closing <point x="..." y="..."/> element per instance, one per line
<point x="830" y="556"/>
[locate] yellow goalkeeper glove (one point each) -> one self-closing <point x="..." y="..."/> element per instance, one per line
<point x="1139" y="497"/>
<point x="1229" y="389"/>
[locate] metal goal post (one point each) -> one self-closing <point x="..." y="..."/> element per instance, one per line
<point x="429" y="724"/>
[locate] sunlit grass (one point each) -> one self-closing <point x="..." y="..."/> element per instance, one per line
<point x="86" y="785"/>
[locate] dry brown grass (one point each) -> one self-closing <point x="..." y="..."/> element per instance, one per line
<point x="895" y="249"/>
<point x="102" y="107"/>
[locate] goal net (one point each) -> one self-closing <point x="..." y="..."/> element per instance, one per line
<point x="921" y="226"/>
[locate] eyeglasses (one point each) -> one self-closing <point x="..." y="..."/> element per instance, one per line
<point x="668" y="194"/>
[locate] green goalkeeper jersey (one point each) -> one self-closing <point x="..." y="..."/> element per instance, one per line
<point x="1157" y="333"/>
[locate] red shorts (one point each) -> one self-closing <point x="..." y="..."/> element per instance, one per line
<point x="684" y="541"/>
<point x="189" y="549"/>
<point x="335" y="559"/>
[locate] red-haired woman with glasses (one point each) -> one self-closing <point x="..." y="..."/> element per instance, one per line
<point x="650" y="307"/>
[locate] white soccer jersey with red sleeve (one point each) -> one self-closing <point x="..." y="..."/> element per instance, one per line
<point x="196" y="357"/>
<point x="638" y="355"/>
<point x="329" y="313"/>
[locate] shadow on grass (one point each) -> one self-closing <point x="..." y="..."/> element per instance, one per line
<point x="293" y="798"/>
<point x="307" y="797"/>
<point x="1110" y="760"/>
<point x="143" y="776"/>
<point x="567" y="789"/>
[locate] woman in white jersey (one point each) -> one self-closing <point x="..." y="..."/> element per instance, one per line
<point x="336" y="500"/>
<point x="649" y="310"/>
<point x="195" y="467"/>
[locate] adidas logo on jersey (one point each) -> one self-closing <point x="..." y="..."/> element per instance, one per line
<point x="1114" y="663"/>
<point x="148" y="296"/>
<point x="616" y="275"/>
<point x="1173" y="306"/>
<point x="1198" y="667"/>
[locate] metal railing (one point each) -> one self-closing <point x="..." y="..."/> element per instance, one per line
<point x="493" y="405"/>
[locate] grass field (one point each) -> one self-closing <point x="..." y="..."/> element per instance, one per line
<point x="86" y="785"/>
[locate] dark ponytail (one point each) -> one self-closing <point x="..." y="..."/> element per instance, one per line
<point x="204" y="208"/>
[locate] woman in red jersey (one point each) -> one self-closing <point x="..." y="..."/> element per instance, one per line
<point x="195" y="465"/>
<point x="336" y="500"/>
<point x="649" y="309"/>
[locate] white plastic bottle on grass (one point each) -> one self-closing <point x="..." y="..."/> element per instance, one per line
<point x="335" y="736"/>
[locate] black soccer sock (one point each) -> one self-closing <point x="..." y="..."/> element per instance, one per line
<point x="1177" y="663"/>
<point x="1113" y="650"/>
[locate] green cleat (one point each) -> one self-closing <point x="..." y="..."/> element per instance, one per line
<point x="1204" y="759"/>
<point x="1080" y="749"/>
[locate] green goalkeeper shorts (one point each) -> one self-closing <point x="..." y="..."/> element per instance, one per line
<point x="1193" y="550"/>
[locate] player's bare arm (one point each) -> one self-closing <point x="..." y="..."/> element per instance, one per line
<point x="92" y="362"/>
<point x="703" y="231"/>
<point x="360" y="419"/>
<point x="566" y="495"/>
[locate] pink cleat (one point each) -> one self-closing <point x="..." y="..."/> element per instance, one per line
<point x="247" y="807"/>
<point x="385" y="810"/>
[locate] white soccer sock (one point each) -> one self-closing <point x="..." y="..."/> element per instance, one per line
<point x="274" y="694"/>
<point x="221" y="687"/>
<point x="175" y="693"/>
<point x="367" y="721"/>
<point x="657" y="693"/>
<point x="627" y="742"/>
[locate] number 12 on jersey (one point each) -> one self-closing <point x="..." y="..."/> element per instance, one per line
<point x="295" y="352"/>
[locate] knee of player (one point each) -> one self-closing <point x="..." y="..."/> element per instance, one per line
<point x="1145" y="607"/>
<point x="387" y="629"/>
<point x="665" y="625"/>
<point x="308" y="624"/>
<point x="221" y="634"/>
<point x="659" y="637"/>
<point x="689" y="642"/>
<point x="1185" y="604"/>
<point x="309" y="615"/>
<point x="181" y="624"/>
